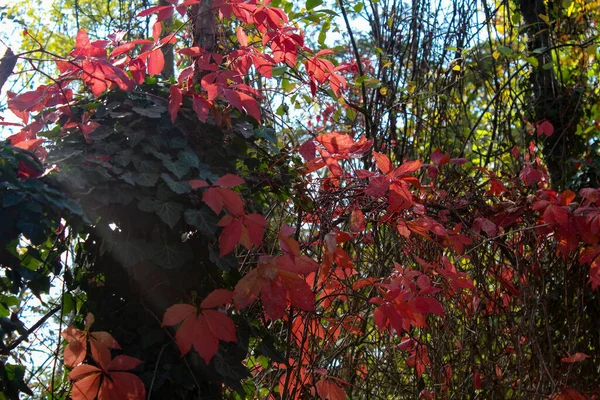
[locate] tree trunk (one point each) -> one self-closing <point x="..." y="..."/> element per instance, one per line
<point x="204" y="30"/>
<point x="552" y="101"/>
<point x="168" y="70"/>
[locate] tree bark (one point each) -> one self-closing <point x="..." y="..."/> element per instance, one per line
<point x="204" y="30"/>
<point x="552" y="101"/>
<point x="168" y="70"/>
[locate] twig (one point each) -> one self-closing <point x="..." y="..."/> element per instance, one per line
<point x="29" y="331"/>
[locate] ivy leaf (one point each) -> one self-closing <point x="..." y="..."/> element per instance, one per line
<point x="146" y="179"/>
<point x="176" y="186"/>
<point x="173" y="256"/>
<point x="178" y="168"/>
<point x="202" y="219"/>
<point x="189" y="158"/>
<point x="135" y="136"/>
<point x="170" y="212"/>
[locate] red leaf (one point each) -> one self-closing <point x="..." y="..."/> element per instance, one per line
<point x="298" y="291"/>
<point x="378" y="187"/>
<point x="75" y="352"/>
<point x="216" y="298"/>
<point x="256" y="224"/>
<point x="273" y="299"/>
<point x="185" y="335"/>
<point x="399" y="197"/>
<point x="152" y="10"/>
<point x="337" y="143"/>
<point x="357" y="221"/>
<point x="85" y="388"/>
<point x="103" y="339"/>
<point x="205" y="342"/>
<point x="577" y="357"/>
<point x="243" y="102"/>
<point x="137" y="67"/>
<point x="439" y="158"/>
<point x="156" y="31"/>
<point x="230" y="237"/>
<point x="545" y="127"/>
<point x="175" y="98"/>
<point x="201" y="107"/>
<point x="156" y="62"/>
<point x="127" y="386"/>
<point x="124" y="48"/>
<point x="231" y="201"/>
<point x="30" y="145"/>
<point x="308" y="149"/>
<point x="124" y="363"/>
<point x="229" y="180"/>
<point x="241" y="36"/>
<point x="248" y="289"/>
<point x="406" y="169"/>
<point x="556" y="215"/>
<point x="328" y="390"/>
<point x="220" y="325"/>
<point x="383" y="162"/>
<point x="177" y="313"/>
<point x="198" y="183"/>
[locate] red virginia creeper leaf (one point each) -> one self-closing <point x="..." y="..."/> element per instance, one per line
<point x="156" y="62"/>
<point x="216" y="298"/>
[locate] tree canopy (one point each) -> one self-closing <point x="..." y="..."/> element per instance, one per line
<point x="266" y="199"/>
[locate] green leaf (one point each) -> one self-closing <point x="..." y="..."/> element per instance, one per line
<point x="124" y="157"/>
<point x="146" y="165"/>
<point x="178" y="168"/>
<point x="150" y="112"/>
<point x="134" y="136"/>
<point x="178" y="143"/>
<point x="532" y="60"/>
<point x="278" y="71"/>
<point x="507" y="51"/>
<point x="310" y="4"/>
<point x="176" y="186"/>
<point x="202" y="219"/>
<point x="147" y="179"/>
<point x="172" y="256"/>
<point x="170" y="212"/>
<point x="358" y="7"/>
<point x="128" y="178"/>
<point x="68" y="304"/>
<point x="267" y="134"/>
<point x="190" y="158"/>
